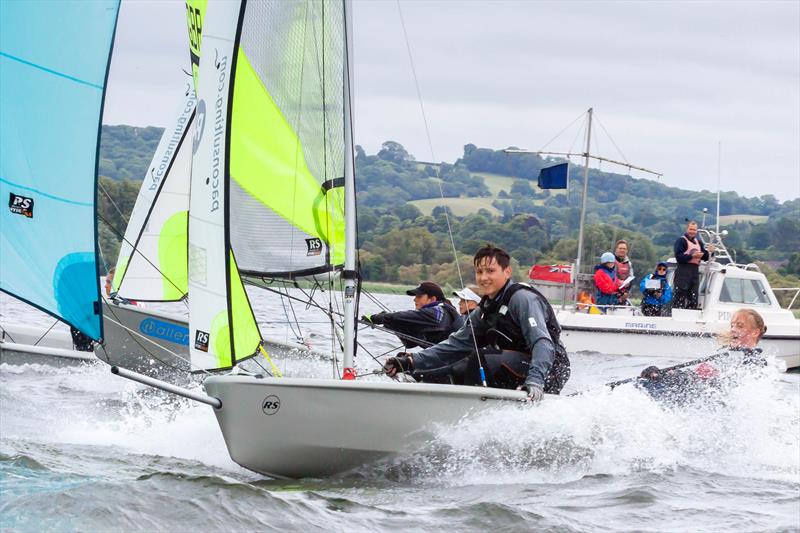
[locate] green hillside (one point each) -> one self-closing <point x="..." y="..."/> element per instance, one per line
<point x="493" y="197"/>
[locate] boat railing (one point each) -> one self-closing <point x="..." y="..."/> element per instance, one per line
<point x="749" y="266"/>
<point x="788" y="289"/>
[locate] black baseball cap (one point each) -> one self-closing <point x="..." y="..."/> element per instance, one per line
<point x="429" y="288"/>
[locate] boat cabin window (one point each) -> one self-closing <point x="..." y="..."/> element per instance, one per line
<point x="743" y="291"/>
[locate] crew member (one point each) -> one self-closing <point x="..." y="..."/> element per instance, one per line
<point x="740" y="350"/>
<point x="606" y="283"/>
<point x="623" y="265"/>
<point x="689" y="251"/>
<point x="433" y="319"/>
<point x="468" y="299"/>
<point x="514" y="329"/>
<point x="656" y="292"/>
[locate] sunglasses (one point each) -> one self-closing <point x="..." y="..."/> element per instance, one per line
<point x="662" y="269"/>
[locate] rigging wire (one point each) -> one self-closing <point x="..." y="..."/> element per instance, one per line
<point x="430" y="142"/>
<point x="441" y="191"/>
<point x="568" y="126"/>
<point x="612" y="140"/>
<point x="135" y="250"/>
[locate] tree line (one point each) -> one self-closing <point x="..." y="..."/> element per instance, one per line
<point x="399" y="243"/>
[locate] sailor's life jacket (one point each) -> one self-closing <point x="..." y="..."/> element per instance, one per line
<point x="431" y="324"/>
<point x="497" y="333"/>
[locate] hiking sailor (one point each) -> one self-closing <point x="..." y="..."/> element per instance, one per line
<point x="740" y="352"/>
<point x="433" y="319"/>
<point x="514" y="330"/>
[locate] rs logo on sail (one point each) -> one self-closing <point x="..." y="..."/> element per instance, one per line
<point x="20" y="205"/>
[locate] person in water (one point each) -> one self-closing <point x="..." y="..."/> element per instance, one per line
<point x="656" y="292"/>
<point x="433" y="319"/>
<point x="689" y="251"/>
<point x="468" y="299"/>
<point x="606" y="283"/>
<point x="740" y="350"/>
<point x="514" y="330"/>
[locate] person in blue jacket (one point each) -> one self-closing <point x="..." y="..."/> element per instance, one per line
<point x="655" y="300"/>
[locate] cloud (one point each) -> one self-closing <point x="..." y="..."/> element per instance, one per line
<point x="669" y="80"/>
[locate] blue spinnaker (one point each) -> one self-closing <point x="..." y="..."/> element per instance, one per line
<point x="54" y="59"/>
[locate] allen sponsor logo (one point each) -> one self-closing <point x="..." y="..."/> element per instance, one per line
<point x="20" y="205"/>
<point x="164" y="330"/>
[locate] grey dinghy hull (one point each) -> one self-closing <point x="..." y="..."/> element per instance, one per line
<point x="294" y="428"/>
<point x="144" y="340"/>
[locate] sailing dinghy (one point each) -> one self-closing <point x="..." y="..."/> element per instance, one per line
<point x="273" y="197"/>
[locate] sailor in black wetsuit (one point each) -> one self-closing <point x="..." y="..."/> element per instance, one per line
<point x="433" y="320"/>
<point x="513" y="335"/>
<point x="680" y="387"/>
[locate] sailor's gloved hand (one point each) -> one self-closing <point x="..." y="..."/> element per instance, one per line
<point x="377" y="318"/>
<point x="534" y="390"/>
<point x="366" y="318"/>
<point x="651" y="373"/>
<point x="400" y="363"/>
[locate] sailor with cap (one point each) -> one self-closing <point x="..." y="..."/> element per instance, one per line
<point x="467" y="299"/>
<point x="433" y="320"/>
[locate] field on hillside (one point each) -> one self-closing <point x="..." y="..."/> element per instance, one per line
<point x="732" y="219"/>
<point x="459" y="206"/>
<point x="466" y="206"/>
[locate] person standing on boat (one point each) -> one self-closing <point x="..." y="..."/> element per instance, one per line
<point x="511" y="340"/>
<point x="689" y="251"/>
<point x="606" y="282"/>
<point x="433" y="319"/>
<point x="656" y="292"/>
<point x="624" y="266"/>
<point x="468" y="299"/>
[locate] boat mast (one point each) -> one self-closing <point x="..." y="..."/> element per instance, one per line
<point x="583" y="201"/>
<point x="587" y="156"/>
<point x="349" y="273"/>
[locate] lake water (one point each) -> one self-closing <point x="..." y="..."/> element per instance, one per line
<point x="81" y="449"/>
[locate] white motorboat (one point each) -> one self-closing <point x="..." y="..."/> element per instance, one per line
<point x="724" y="287"/>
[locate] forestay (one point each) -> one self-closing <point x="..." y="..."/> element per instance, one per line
<point x="53" y="65"/>
<point x="268" y="165"/>
<point x="152" y="263"/>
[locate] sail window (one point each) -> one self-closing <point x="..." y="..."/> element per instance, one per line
<point x="744" y="291"/>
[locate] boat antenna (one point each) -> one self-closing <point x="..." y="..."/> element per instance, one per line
<point x="719" y="177"/>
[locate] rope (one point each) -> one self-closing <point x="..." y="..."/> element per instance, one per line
<point x="275" y="370"/>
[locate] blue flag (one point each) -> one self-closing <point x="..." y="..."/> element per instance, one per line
<point x="554" y="177"/>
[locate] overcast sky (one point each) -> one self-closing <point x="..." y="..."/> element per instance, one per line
<point x="668" y="80"/>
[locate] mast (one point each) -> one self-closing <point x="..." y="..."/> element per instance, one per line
<point x="583" y="201"/>
<point x="349" y="273"/>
